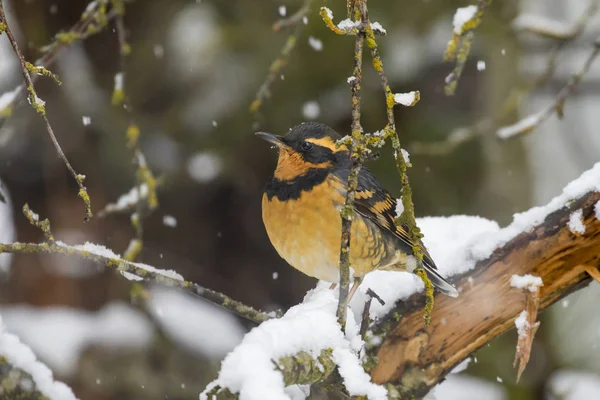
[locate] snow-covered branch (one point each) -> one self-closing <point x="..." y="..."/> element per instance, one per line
<point x="538" y="242"/>
<point x="531" y="122"/>
<point x="23" y="376"/>
<point x="130" y="270"/>
<point x="465" y="20"/>
<point x="401" y="354"/>
<point x="136" y="272"/>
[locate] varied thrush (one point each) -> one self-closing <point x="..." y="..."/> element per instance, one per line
<point x="301" y="211"/>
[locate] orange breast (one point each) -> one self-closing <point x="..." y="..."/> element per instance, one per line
<point x="306" y="232"/>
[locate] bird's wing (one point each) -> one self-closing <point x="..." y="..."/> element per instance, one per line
<point x="376" y="204"/>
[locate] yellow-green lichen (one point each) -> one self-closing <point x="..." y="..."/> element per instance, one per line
<point x="91" y="29"/>
<point x="133" y="250"/>
<point x="126" y="49"/>
<point x="36" y="103"/>
<point x="370" y="362"/>
<point x="118" y="6"/>
<point x="132" y="134"/>
<point x="83" y="195"/>
<point x="146" y="176"/>
<point x="42" y="71"/>
<point x="118" y="97"/>
<point x="67" y="37"/>
<point x="450" y="52"/>
<point x="325" y="14"/>
<point x="6" y="111"/>
<point x="428" y="294"/>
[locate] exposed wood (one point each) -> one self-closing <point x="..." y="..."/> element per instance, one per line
<point x="414" y="358"/>
<point x="525" y="340"/>
<point x="593" y="272"/>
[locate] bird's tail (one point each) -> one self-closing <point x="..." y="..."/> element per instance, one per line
<point x="438" y="281"/>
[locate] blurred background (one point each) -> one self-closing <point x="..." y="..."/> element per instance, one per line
<point x="194" y="69"/>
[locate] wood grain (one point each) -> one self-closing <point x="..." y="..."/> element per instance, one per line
<point x="414" y="358"/>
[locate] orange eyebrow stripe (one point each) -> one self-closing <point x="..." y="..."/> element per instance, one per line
<point x="328" y="143"/>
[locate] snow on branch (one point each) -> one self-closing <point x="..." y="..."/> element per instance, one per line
<point x="465" y="20"/>
<point x="511" y="104"/>
<point x="130" y="270"/>
<point x="27" y="69"/>
<point x="20" y="368"/>
<point x="544" y="27"/>
<point x="93" y="20"/>
<point x="359" y="143"/>
<point x="399" y="352"/>
<point x="531" y="122"/>
<point x="538" y="242"/>
<point x="265" y="362"/>
<point x="553" y="29"/>
<point x="7" y="228"/>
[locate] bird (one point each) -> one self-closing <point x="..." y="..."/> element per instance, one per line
<point x="301" y="207"/>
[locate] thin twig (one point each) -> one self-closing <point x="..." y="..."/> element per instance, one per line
<point x="38" y="105"/>
<point x="511" y="104"/>
<point x="90" y="23"/>
<point x="294" y="19"/>
<point x="366" y="318"/>
<point x="464" y="39"/>
<point x="545" y="28"/>
<point x="408" y="215"/>
<point x="130" y="270"/>
<point x="358" y="145"/>
<point x="34" y="219"/>
<point x="139" y="272"/>
<point x="531" y="122"/>
<point x="357" y="152"/>
<point x="145" y="179"/>
<point x="277" y="66"/>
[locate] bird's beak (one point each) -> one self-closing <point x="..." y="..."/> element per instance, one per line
<point x="271" y="138"/>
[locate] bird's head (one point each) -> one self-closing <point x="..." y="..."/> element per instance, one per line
<point x="307" y="146"/>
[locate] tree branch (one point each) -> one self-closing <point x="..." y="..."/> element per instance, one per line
<point x="38" y="105"/>
<point x="511" y="104"/>
<point x="130" y="270"/>
<point x="11" y="382"/>
<point x="464" y="36"/>
<point x="139" y="272"/>
<point x="24" y="377"/>
<point x="277" y="66"/>
<point x="531" y="122"/>
<point x="357" y="153"/>
<point x="414" y="359"/>
<point x="92" y="21"/>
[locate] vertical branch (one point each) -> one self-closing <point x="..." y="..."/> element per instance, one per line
<point x="358" y="145"/>
<point x="39" y="106"/>
<point x="407" y="218"/>
<point x="145" y="179"/>
<point x="357" y="153"/>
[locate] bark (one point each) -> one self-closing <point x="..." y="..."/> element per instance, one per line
<point x="414" y="358"/>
